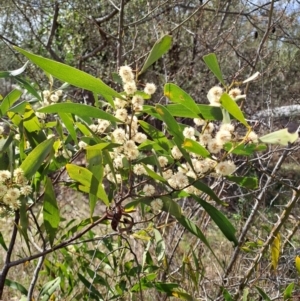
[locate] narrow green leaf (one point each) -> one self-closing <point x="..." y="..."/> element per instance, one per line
<point x="50" y="211"/>
<point x="212" y="63"/>
<point x="247" y="182"/>
<point x="288" y="292"/>
<point x="231" y="106"/>
<point x="69" y="123"/>
<point x="36" y="157"/>
<point x="220" y="220"/>
<point x="95" y="166"/>
<point x="195" y="147"/>
<point x="79" y="110"/>
<point x="159" y="49"/>
<point x="90" y="286"/>
<point x="16" y="285"/>
<point x="9" y="100"/>
<point x="23" y="227"/>
<point x="167" y="288"/>
<point x="173" y="127"/>
<point x="154" y="175"/>
<point x="226" y="295"/>
<point x="32" y="126"/>
<point x="179" y="110"/>
<point x="4" y="74"/>
<point x="203" y="187"/>
<point x="168" y="205"/>
<point x="181" y="294"/>
<point x="263" y="294"/>
<point x="160" y="246"/>
<point x="144" y="283"/>
<point x="28" y="87"/>
<point x="244" y="149"/>
<point x="177" y="95"/>
<point x="71" y="75"/>
<point x="207" y="112"/>
<point x="2" y="242"/>
<point x="194" y="229"/>
<point x="49" y="288"/>
<point x="86" y="178"/>
<point x="31" y="122"/>
<point x="155" y="134"/>
<point x="82" y="224"/>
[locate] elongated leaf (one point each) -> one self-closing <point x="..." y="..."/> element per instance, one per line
<point x="50" y="211"/>
<point x="195" y="147"/>
<point x="28" y="87"/>
<point x="17" y="286"/>
<point x="154" y="175"/>
<point x="171" y="206"/>
<point x="172" y="124"/>
<point x="158" y="50"/>
<point x="275" y="251"/>
<point x="49" y="288"/>
<point x="82" y="224"/>
<point x="23" y="227"/>
<point x="144" y="283"/>
<point x="95" y="166"/>
<point x="69" y="123"/>
<point x="31" y="122"/>
<point x="35" y="159"/>
<point x="174" y="129"/>
<point x="226" y="295"/>
<point x="86" y="178"/>
<point x="168" y="205"/>
<point x="160" y="246"/>
<point x="231" y="106"/>
<point x="79" y="110"/>
<point x="263" y="294"/>
<point x="2" y="242"/>
<point x="71" y="75"/>
<point x="181" y="294"/>
<point x="9" y="100"/>
<point x="208" y="112"/>
<point x="297" y="263"/>
<point x="288" y="292"/>
<point x="212" y="63"/>
<point x="247" y="182"/>
<point x="203" y="187"/>
<point x="90" y="286"/>
<point x="194" y="229"/>
<point x="244" y="149"/>
<point x="282" y="137"/>
<point x="177" y="95"/>
<point x="155" y="134"/>
<point x="220" y="219"/>
<point x="4" y="74"/>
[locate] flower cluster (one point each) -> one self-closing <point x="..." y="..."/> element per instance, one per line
<point x="51" y="97"/>
<point x="126" y="132"/>
<point x="215" y="93"/>
<point x="12" y="187"/>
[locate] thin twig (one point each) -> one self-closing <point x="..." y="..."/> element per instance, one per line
<point x="120" y="35"/>
<point x="284" y="216"/>
<point x="6" y="267"/>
